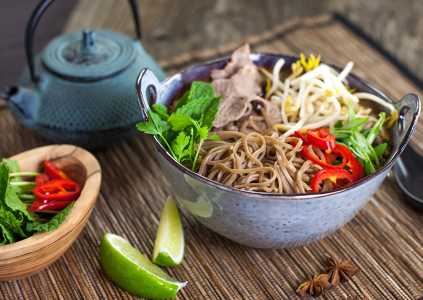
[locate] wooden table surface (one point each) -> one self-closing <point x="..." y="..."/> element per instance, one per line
<point x="204" y="25"/>
<point x="171" y="27"/>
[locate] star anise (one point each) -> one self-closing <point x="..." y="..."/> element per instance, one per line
<point x="339" y="270"/>
<point x="315" y="286"/>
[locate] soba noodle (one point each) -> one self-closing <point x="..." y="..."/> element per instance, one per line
<point x="258" y="162"/>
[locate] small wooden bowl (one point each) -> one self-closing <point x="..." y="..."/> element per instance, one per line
<point x="31" y="255"/>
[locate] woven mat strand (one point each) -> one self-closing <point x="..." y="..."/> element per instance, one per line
<point x="385" y="239"/>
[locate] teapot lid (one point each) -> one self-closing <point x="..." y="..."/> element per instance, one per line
<point x="89" y="55"/>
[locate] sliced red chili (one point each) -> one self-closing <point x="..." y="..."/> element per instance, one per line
<point x="335" y="175"/>
<point x="39" y="205"/>
<point x="58" y="190"/>
<point x="336" y="150"/>
<point x="40" y="179"/>
<point x="302" y="135"/>
<point x="320" y="137"/>
<point x="53" y="171"/>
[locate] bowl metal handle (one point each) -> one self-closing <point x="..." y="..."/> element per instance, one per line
<point x="149" y="89"/>
<point x="410" y="102"/>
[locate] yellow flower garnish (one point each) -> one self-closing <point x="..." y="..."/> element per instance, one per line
<point x="351" y="90"/>
<point x="392" y="118"/>
<point x="268" y="85"/>
<point x="309" y="64"/>
<point x="281" y="127"/>
<point x="329" y="93"/>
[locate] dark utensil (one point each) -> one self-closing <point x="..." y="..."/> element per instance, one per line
<point x="408" y="172"/>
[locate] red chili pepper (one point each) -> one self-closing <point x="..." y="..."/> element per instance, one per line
<point x="337" y="150"/>
<point x="355" y="168"/>
<point x="335" y="175"/>
<point x="53" y="171"/>
<point x="58" y="190"/>
<point x="302" y="135"/>
<point x="40" y="179"/>
<point x="320" y="137"/>
<point x="52" y="205"/>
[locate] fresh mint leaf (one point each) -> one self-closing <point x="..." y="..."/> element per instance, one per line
<point x="200" y="89"/>
<point x="181" y="102"/>
<point x="180" y="121"/>
<point x="7" y="236"/>
<point x="8" y="197"/>
<point x="211" y="112"/>
<point x="54" y="223"/>
<point x="196" y="108"/>
<point x="147" y="127"/>
<point x="12" y="221"/>
<point x="12" y="165"/>
<point x="162" y="111"/>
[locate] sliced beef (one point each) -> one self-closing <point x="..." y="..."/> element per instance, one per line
<point x="238" y="84"/>
<point x="240" y="58"/>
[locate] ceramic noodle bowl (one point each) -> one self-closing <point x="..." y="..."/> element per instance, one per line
<point x="265" y="220"/>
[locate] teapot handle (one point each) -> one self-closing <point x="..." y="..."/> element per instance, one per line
<point x="32" y="25"/>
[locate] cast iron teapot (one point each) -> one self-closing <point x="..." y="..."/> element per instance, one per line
<point x="81" y="89"/>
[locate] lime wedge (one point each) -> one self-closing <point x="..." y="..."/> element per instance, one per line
<point x="134" y="272"/>
<point x="201" y="208"/>
<point x="169" y="245"/>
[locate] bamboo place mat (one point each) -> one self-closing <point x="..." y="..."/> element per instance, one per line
<point x="384" y="240"/>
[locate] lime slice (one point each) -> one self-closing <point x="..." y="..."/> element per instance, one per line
<point x="169" y="245"/>
<point x="134" y="272"/>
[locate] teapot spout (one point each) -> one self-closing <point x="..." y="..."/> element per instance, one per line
<point x="23" y="103"/>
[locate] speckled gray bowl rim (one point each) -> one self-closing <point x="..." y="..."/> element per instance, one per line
<point x="279" y="196"/>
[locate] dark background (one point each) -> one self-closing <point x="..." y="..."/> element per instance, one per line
<point x="171" y="27"/>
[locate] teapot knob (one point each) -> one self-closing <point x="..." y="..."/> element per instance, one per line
<point x="89" y="39"/>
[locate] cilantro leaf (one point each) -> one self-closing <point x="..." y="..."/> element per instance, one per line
<point x="162" y="111"/>
<point x="179" y="145"/>
<point x="203" y="132"/>
<point x="147" y="127"/>
<point x="214" y="137"/>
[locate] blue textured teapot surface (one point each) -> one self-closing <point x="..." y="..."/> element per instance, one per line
<point x="81" y="89"/>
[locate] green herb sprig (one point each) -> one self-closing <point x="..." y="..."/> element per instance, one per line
<point x="360" y="142"/>
<point x="183" y="132"/>
<point x="16" y="223"/>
